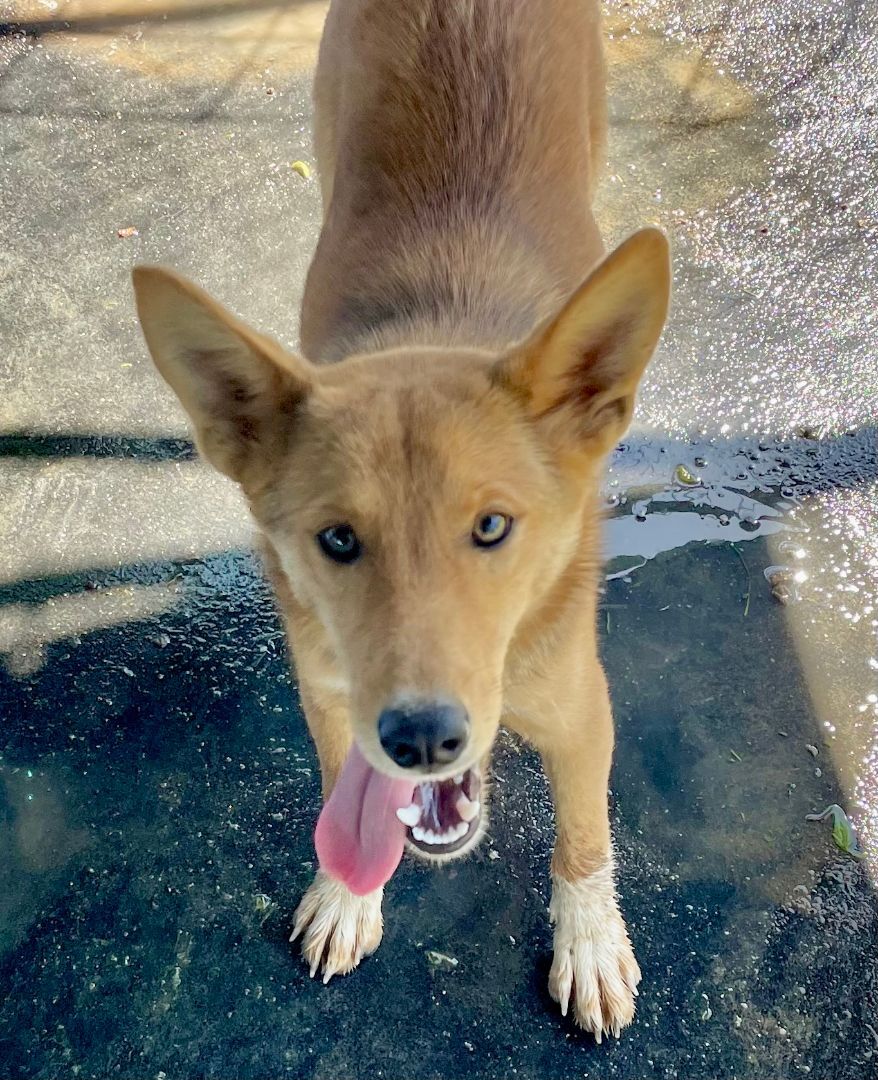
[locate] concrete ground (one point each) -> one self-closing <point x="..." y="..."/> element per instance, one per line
<point x="158" y="787"/>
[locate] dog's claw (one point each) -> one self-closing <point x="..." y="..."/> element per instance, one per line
<point x="337" y="927"/>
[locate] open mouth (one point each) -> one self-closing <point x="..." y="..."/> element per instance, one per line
<point x="365" y="823"/>
<point x="444" y="815"/>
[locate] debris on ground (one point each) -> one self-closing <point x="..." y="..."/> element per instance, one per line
<point x="127" y="232"/>
<point x="263" y="906"/>
<point x="302" y="168"/>
<point x="683" y="476"/>
<point x="842" y="831"/>
<point x="441" y="960"/>
<point x="782" y="583"/>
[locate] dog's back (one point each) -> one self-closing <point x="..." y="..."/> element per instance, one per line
<point x="458" y="142"/>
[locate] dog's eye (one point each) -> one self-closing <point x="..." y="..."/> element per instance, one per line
<point x="340" y="543"/>
<point x="491" y="529"/>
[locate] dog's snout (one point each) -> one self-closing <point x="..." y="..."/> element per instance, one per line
<point x="433" y="733"/>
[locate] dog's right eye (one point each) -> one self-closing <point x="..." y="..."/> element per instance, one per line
<point x="340" y="543"/>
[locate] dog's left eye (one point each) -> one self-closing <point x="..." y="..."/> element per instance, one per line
<point x="491" y="530"/>
<point x="340" y="543"/>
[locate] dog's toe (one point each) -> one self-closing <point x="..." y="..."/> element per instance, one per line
<point x="337" y="927"/>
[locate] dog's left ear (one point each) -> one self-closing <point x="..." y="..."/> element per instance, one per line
<point x="578" y="373"/>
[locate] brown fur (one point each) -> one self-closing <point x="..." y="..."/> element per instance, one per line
<point x="458" y="142"/>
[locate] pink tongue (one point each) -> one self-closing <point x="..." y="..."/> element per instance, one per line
<point x="359" y="838"/>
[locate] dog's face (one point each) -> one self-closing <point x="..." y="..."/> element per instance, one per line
<point x="417" y="514"/>
<point x="423" y="503"/>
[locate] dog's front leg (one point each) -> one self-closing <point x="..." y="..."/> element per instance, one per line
<point x="593" y="965"/>
<point x="337" y="927"/>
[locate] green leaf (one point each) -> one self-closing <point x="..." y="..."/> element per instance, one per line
<point x="683" y="476"/>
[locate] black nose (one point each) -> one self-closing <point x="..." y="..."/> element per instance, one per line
<point x="434" y="733"/>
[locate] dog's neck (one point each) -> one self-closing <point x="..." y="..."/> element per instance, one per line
<point x="481" y="286"/>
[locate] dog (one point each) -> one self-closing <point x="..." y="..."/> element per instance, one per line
<point x="426" y="475"/>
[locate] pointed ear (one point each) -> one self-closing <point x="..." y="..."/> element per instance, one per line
<point x="235" y="384"/>
<point x="578" y="373"/>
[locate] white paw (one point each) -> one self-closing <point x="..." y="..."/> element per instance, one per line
<point x="338" y="928"/>
<point x="594" y="964"/>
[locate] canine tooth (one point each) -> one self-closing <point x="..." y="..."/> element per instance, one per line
<point x="461" y="830"/>
<point x="419" y="834"/>
<point x="467" y="809"/>
<point x="459" y="778"/>
<point x="409" y="815"/>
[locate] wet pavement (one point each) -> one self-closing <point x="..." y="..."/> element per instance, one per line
<point x="157" y="787"/>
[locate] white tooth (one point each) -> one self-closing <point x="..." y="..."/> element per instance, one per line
<point x="467" y="809"/>
<point x="419" y="834"/>
<point x="459" y="778"/>
<point x="409" y="815"/>
<point x="429" y="836"/>
<point x="461" y="830"/>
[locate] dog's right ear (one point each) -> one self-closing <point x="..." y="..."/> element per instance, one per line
<point x="236" y="385"/>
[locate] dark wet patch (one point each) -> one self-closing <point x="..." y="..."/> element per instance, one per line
<point x="193" y="787"/>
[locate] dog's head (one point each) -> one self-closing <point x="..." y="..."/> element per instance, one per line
<point x="423" y="502"/>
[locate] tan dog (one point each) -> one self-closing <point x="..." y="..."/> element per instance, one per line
<point x="429" y="499"/>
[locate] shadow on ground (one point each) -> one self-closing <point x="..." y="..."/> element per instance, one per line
<point x="160" y="791"/>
